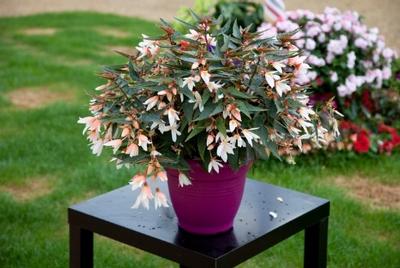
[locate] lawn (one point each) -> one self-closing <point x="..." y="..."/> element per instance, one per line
<point x="45" y="163"/>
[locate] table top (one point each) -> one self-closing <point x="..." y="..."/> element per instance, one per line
<point x="157" y="231"/>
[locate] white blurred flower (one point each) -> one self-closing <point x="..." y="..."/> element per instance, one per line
<point x="214" y="165"/>
<point x="144" y="197"/>
<point x="250" y="136"/>
<point x="183" y="180"/>
<point x="190" y="82"/>
<point x="281" y="87"/>
<point x="160" y="200"/>
<point x="137" y="181"/>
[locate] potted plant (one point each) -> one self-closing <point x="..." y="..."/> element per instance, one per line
<point x="196" y="109"/>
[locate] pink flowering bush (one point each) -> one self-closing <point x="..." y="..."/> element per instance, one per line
<point x="205" y="94"/>
<point x="345" y="55"/>
<point x="351" y="62"/>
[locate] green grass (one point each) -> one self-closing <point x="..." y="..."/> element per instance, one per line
<point x="47" y="142"/>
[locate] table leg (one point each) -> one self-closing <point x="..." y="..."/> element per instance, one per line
<point x="80" y="247"/>
<point x="315" y="245"/>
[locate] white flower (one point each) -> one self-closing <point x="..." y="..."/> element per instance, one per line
<point x="160" y="200"/>
<point x="174" y="131"/>
<point x="183" y="180"/>
<point x="281" y="87"/>
<point x="151" y="102"/>
<point x="270" y="77"/>
<point x="198" y="101"/>
<point x="97" y="147"/>
<point x="305" y="124"/>
<point x="147" y="47"/>
<point x="237" y="139"/>
<point x="210" y="139"/>
<point x="305" y="112"/>
<point x="154" y="152"/>
<point x="224" y="148"/>
<point x="334" y="76"/>
<point x="144" y="197"/>
<point x="115" y="144"/>
<point x="214" y="165"/>
<point x="91" y="122"/>
<point x="214" y="86"/>
<point x="143" y="141"/>
<point x="278" y="66"/>
<point x="162" y="176"/>
<point x="233" y="124"/>
<point x="190" y="82"/>
<point x="172" y="115"/>
<point x="351" y="59"/>
<point x="205" y="75"/>
<point x="194" y="35"/>
<point x="250" y="136"/>
<point x="137" y="181"/>
<point x="132" y="150"/>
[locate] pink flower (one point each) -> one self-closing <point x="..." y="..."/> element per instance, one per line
<point x="132" y="150"/>
<point x="115" y="144"/>
<point x="137" y="181"/>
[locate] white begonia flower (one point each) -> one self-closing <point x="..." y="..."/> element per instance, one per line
<point x="250" y="136"/>
<point x="194" y="35"/>
<point x="172" y="115"/>
<point x="214" y="86"/>
<point x="198" y="101"/>
<point x="270" y="77"/>
<point x="137" y="181"/>
<point x="214" y="165"/>
<point x="281" y="87"/>
<point x="174" y="131"/>
<point x="183" y="180"/>
<point x="97" y="147"/>
<point x="132" y="150"/>
<point x="144" y="197"/>
<point x="233" y="124"/>
<point x="151" y="102"/>
<point x="190" y="82"/>
<point x="143" y="141"/>
<point x="160" y="200"/>
<point x="205" y="75"/>
<point x="224" y="148"/>
<point x="147" y="47"/>
<point x="305" y="112"/>
<point x="115" y="144"/>
<point x="278" y="66"/>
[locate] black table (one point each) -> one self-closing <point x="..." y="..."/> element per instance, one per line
<point x="156" y="231"/>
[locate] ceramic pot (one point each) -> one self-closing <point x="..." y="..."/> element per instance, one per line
<point x="209" y="205"/>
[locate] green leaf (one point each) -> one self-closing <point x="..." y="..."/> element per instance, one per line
<point x="236" y="93"/>
<point x="221" y="125"/>
<point x="188" y="110"/>
<point x="196" y="130"/>
<point x="209" y="110"/>
<point x="236" y="30"/>
<point x="201" y="145"/>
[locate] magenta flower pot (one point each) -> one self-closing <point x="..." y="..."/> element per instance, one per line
<point x="209" y="205"/>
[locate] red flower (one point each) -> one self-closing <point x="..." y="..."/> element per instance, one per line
<point x="382" y="128"/>
<point x="348" y="125"/>
<point x="367" y="101"/>
<point x="184" y="44"/>
<point x="362" y="143"/>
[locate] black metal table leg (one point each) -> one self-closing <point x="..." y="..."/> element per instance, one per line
<point x="80" y="247"/>
<point x="315" y="245"/>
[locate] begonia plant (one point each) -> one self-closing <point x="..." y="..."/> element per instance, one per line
<point x="204" y="94"/>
